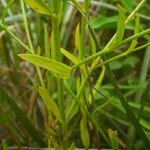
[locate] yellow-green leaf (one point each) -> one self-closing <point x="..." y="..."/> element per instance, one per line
<point x="93" y="46"/>
<point x="113" y="135"/>
<point x="39" y="6"/>
<point x="120" y="25"/>
<point x="70" y="56"/>
<point x="84" y="133"/>
<point x="49" y="103"/>
<point x="74" y="59"/>
<point x="77" y="37"/>
<point x="56" y="67"/>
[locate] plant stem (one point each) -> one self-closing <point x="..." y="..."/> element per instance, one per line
<point x="88" y="114"/>
<point x="141" y="4"/>
<point x="126" y="106"/>
<point x="57" y="56"/>
<point x="26" y="26"/>
<point x="15" y="37"/>
<point x="83" y="29"/>
<point x="29" y="40"/>
<point x="140" y="34"/>
<point x="111" y="77"/>
<point x="105" y="50"/>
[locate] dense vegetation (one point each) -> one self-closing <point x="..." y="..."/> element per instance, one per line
<point x="75" y="74"/>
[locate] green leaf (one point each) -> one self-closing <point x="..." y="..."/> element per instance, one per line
<point x="73" y="109"/>
<point x="77" y="38"/>
<point x="70" y="56"/>
<point x="39" y="6"/>
<point x="113" y="135"/>
<point x="104" y="22"/>
<point x="120" y="25"/>
<point x="78" y="6"/>
<point x="84" y="133"/>
<point x="25" y="122"/>
<point x="128" y="4"/>
<point x="145" y="124"/>
<point x="74" y="59"/>
<point x="4" y="145"/>
<point x="59" y="68"/>
<point x="49" y="103"/>
<point x="93" y="45"/>
<point x="47" y="49"/>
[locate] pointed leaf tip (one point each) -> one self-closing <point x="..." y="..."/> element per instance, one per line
<point x="62" y="70"/>
<point x="39" y="6"/>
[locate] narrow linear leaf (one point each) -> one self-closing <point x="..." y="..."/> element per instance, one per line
<point x="84" y="133"/>
<point x="72" y="111"/>
<point x="136" y="30"/>
<point x="113" y="135"/>
<point x="74" y="108"/>
<point x="145" y="123"/>
<point x="74" y="59"/>
<point x="92" y="44"/>
<point x="120" y="25"/>
<point x="70" y="56"/>
<point x="104" y="22"/>
<point x="23" y="119"/>
<point x="117" y="104"/>
<point x="116" y="40"/>
<point x="59" y="68"/>
<point x="47" y="50"/>
<point x="77" y="37"/>
<point x="98" y="83"/>
<point x="78" y="6"/>
<point x="39" y="6"/>
<point x="49" y="103"/>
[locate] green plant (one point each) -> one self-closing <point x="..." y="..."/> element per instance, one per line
<point x="63" y="80"/>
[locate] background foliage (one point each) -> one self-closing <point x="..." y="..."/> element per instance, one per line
<point x="74" y="74"/>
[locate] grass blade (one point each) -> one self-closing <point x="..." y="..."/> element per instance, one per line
<point x="23" y="119"/>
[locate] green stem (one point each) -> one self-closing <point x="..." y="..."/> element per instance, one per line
<point x="129" y="112"/>
<point x="126" y="106"/>
<point x="141" y="4"/>
<point x="111" y="77"/>
<point x="97" y="125"/>
<point x="83" y="29"/>
<point x="105" y="50"/>
<point x="16" y="38"/>
<point x="57" y="56"/>
<point x="126" y="53"/>
<point x="26" y="26"/>
<point x="29" y="40"/>
<point x="140" y="34"/>
<point x="56" y="39"/>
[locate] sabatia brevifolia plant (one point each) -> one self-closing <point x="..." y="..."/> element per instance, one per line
<point x="72" y="110"/>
